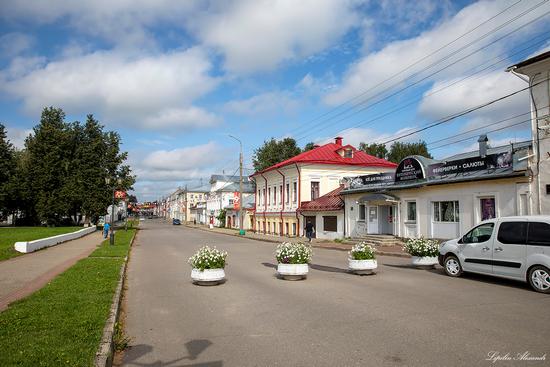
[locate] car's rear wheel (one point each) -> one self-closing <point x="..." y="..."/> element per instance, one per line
<point x="539" y="279"/>
<point x="452" y="266"/>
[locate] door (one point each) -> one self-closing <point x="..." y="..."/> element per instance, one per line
<point x="476" y="249"/>
<point x="509" y="250"/>
<point x="372" y="217"/>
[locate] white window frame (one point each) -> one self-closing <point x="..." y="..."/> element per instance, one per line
<point x="477" y="204"/>
<point x="456" y="215"/>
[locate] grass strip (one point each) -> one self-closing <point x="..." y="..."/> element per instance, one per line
<point x="9" y="236"/>
<point x="62" y="323"/>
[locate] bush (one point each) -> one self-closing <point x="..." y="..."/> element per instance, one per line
<point x="293" y="253"/>
<point x="362" y="251"/>
<point x="208" y="258"/>
<point x="421" y="247"/>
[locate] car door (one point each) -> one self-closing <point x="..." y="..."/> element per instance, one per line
<point x="476" y="249"/>
<point x="509" y="248"/>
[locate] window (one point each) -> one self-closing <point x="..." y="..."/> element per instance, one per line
<point x="329" y="223"/>
<point x="348" y="153"/>
<point x="538" y="234"/>
<point x="411" y="211"/>
<point x="294" y="191"/>
<point x="230" y="201"/>
<point x="294" y="229"/>
<point x="274" y="195"/>
<point x="488" y="208"/>
<point x="361" y="211"/>
<point x="263" y="195"/>
<point x="512" y="233"/>
<point x="547" y="189"/>
<point x="287" y="193"/>
<point x="281" y="194"/>
<point x="446" y="211"/>
<point x="269" y="195"/>
<point x="479" y="234"/>
<point x="314" y="190"/>
<point x="286" y="229"/>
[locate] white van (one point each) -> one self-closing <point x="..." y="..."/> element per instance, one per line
<point x="509" y="247"/>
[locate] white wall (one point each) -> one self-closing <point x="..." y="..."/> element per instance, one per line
<point x="321" y="233"/>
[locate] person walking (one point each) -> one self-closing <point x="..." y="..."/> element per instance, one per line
<point x="309" y="230"/>
<point x="106" y="228"/>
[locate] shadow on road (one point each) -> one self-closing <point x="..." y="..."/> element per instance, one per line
<point x="270" y="265"/>
<point x="330" y="269"/>
<point x="487" y="279"/>
<point x="194" y="349"/>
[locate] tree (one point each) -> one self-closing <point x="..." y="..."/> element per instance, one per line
<point x="374" y="149"/>
<point x="274" y="151"/>
<point x="7" y="169"/>
<point x="309" y="146"/>
<point x="400" y="150"/>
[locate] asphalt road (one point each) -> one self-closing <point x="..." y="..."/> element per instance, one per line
<point x="401" y="316"/>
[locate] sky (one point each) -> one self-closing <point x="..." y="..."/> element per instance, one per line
<point x="176" y="78"/>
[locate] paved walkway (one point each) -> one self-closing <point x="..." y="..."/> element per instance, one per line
<point x="315" y="242"/>
<point x="23" y="275"/>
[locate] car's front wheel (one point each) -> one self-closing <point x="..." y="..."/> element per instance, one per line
<point x="539" y="279"/>
<point x="452" y="266"/>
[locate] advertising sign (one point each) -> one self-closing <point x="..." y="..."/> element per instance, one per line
<point x="492" y="161"/>
<point x="409" y="169"/>
<point x="236" y="200"/>
<point x="120" y="194"/>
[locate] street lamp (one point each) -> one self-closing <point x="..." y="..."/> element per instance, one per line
<point x="111" y="234"/>
<point x="241" y="217"/>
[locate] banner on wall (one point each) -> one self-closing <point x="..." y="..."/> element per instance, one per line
<point x="236" y="200"/>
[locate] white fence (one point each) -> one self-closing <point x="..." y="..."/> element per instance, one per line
<point x="30" y="246"/>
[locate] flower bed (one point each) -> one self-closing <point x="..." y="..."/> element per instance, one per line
<point x="421" y="247"/>
<point x="208" y="258"/>
<point x="362" y="251"/>
<point x="293" y="253"/>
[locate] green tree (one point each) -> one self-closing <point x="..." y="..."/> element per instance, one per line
<point x="7" y="169"/>
<point x="309" y="146"/>
<point x="274" y="151"/>
<point x="374" y="149"/>
<point x="400" y="150"/>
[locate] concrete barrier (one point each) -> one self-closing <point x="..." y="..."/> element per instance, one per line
<point x="30" y="246"/>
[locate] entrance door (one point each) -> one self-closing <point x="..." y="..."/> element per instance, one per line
<point x="372" y="216"/>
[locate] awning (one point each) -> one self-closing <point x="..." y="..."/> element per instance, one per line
<point x="378" y="197"/>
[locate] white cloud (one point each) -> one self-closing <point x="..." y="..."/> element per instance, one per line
<point x="256" y="35"/>
<point x="154" y="91"/>
<point x="356" y="135"/>
<point x="264" y="104"/>
<point x="15" y="43"/>
<point x="17" y="136"/>
<point x="375" y="68"/>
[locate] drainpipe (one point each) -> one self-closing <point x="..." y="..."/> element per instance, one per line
<point x="530" y="82"/>
<point x="255" y="201"/>
<point x="281" y="231"/>
<point x="299" y="199"/>
<point x="265" y="202"/>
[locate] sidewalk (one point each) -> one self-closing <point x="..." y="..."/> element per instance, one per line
<point x="346" y="245"/>
<point x="23" y="275"/>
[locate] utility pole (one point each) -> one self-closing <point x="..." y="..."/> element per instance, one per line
<point x="241" y="216"/>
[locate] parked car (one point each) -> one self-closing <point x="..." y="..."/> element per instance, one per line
<point x="509" y="247"/>
<point x="176" y="221"/>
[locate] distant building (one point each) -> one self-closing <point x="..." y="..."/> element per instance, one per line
<point x="222" y="194"/>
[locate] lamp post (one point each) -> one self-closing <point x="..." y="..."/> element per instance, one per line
<point x="111" y="234"/>
<point x="241" y="217"/>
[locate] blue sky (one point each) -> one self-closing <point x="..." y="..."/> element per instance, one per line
<point x="176" y="77"/>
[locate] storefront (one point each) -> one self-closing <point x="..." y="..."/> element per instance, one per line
<point x="440" y="198"/>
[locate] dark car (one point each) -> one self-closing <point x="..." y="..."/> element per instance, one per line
<point x="176" y="222"/>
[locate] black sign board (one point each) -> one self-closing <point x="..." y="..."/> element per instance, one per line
<point x="492" y="161"/>
<point x="409" y="169"/>
<point x="378" y="178"/>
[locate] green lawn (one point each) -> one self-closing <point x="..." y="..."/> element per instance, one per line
<point x="62" y="324"/>
<point x="9" y="236"/>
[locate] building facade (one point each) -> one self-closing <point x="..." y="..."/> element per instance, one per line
<point x="281" y="188"/>
<point x="222" y="194"/>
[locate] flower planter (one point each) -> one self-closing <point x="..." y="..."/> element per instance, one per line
<point x="425" y="261"/>
<point x="208" y="276"/>
<point x="362" y="267"/>
<point x="292" y="271"/>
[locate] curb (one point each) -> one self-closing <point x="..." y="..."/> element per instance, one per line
<point x="105" y="353"/>
<point x="381" y="253"/>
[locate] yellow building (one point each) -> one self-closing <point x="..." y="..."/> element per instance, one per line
<point x="282" y="188"/>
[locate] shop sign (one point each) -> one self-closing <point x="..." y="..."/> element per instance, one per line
<point x="492" y="161"/>
<point x="408" y="170"/>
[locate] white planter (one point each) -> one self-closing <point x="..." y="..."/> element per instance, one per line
<point x="293" y="271"/>
<point x="207" y="276"/>
<point x="425" y="261"/>
<point x="362" y="266"/>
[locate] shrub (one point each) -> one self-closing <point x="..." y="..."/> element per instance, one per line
<point x="362" y="251"/>
<point x="421" y="247"/>
<point x="208" y="258"/>
<point x="293" y="253"/>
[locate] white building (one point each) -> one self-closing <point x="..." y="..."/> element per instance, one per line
<point x="222" y="194"/>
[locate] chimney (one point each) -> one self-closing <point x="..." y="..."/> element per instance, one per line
<point x="483" y="139"/>
<point x="338" y="140"/>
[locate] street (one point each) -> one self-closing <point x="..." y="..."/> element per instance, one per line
<point x="400" y="316"/>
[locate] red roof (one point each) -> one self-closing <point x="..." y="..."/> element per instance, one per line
<point x="327" y="202"/>
<point x="329" y="154"/>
